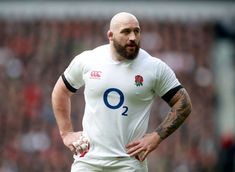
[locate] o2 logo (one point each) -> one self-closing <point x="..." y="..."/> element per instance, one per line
<point x="119" y="104"/>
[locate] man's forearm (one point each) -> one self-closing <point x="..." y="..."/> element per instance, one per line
<point x="180" y="109"/>
<point x="62" y="107"/>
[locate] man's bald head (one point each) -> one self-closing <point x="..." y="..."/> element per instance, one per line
<point x="122" y="19"/>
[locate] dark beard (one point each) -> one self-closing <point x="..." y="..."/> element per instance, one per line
<point x="121" y="50"/>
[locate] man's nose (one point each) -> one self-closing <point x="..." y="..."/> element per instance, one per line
<point x="132" y="36"/>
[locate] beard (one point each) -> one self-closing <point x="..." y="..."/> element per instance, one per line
<point x="123" y="52"/>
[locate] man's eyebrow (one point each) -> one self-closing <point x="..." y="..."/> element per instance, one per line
<point x="129" y="29"/>
<point x="125" y="29"/>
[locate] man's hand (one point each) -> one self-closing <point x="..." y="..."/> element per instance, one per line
<point x="142" y="147"/>
<point x="69" y="138"/>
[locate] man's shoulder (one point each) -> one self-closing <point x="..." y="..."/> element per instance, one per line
<point x="148" y="57"/>
<point x="100" y="50"/>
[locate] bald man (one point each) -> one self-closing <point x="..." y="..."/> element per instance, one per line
<point x="121" y="82"/>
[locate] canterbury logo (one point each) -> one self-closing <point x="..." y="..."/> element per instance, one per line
<point x="95" y="74"/>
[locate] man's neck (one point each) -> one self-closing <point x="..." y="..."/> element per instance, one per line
<point x="115" y="55"/>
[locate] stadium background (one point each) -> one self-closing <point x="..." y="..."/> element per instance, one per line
<point x="39" y="38"/>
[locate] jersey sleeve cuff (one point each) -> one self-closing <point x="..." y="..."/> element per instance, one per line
<point x="167" y="97"/>
<point x="68" y="85"/>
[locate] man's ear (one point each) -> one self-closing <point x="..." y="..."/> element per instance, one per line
<point x="110" y="35"/>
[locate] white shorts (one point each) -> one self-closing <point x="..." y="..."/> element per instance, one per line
<point x="125" y="164"/>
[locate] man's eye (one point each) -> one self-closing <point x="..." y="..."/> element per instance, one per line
<point x="126" y="31"/>
<point x="137" y="31"/>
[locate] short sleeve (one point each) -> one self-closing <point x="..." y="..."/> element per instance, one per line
<point x="73" y="75"/>
<point x="166" y="79"/>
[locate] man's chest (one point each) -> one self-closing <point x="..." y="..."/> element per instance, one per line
<point x="133" y="83"/>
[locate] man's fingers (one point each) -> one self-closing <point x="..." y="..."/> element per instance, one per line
<point x="138" y="150"/>
<point x="135" y="151"/>
<point x="132" y="144"/>
<point x="143" y="155"/>
<point x="72" y="149"/>
<point x="133" y="148"/>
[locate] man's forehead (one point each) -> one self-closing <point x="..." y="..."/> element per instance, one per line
<point x="128" y="25"/>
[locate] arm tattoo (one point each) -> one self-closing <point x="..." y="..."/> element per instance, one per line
<point x="180" y="109"/>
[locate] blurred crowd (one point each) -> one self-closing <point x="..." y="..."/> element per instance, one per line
<point x="34" y="53"/>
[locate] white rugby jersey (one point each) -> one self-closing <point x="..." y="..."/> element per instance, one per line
<point x="118" y="96"/>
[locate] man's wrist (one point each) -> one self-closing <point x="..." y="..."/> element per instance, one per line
<point x="64" y="133"/>
<point x="159" y="135"/>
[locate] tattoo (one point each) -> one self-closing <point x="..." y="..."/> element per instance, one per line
<point x="180" y="109"/>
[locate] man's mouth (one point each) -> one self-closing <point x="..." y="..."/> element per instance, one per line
<point x="131" y="45"/>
